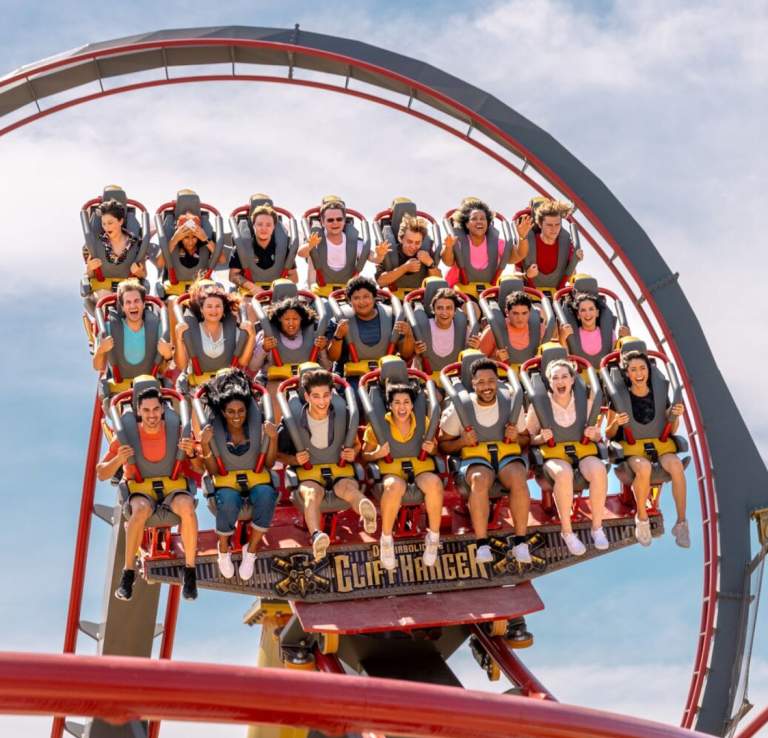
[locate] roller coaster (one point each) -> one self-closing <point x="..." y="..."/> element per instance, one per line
<point x="344" y="614"/>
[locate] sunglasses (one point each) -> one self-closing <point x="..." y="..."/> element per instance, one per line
<point x="334" y="220"/>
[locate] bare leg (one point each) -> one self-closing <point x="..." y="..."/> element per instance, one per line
<point x="394" y="489"/>
<point x="594" y="472"/>
<point x="141" y="511"/>
<point x="312" y="494"/>
<point x="641" y="486"/>
<point x="513" y="477"/>
<point x="674" y="467"/>
<point x="432" y="487"/>
<point x="184" y="507"/>
<point x="254" y="537"/>
<point x="562" y="474"/>
<point x="348" y="490"/>
<point x="480" y="480"/>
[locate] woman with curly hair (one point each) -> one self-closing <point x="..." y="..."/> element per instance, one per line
<point x="210" y="334"/>
<point x="235" y="424"/>
<point x="293" y="325"/>
<point x="472" y="257"/>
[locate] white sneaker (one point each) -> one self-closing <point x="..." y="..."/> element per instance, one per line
<point x="484" y="555"/>
<point x="575" y="546"/>
<point x="367" y="512"/>
<point x="643" y="532"/>
<point x="521" y="553"/>
<point x="320" y="543"/>
<point x="431" y="545"/>
<point x="682" y="534"/>
<point x="387" y="552"/>
<point x="246" y="565"/>
<point x="226" y="567"/>
<point x="600" y="540"/>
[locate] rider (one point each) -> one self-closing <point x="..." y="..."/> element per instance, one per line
<point x="131" y="297"/>
<point x="322" y="425"/>
<point x="521" y="345"/>
<point x="116" y="245"/>
<point x="551" y="256"/>
<point x="153" y="442"/>
<point x="410" y="264"/>
<point x="235" y="424"/>
<point x="491" y="422"/>
<point x="263" y="253"/>
<point x="647" y="409"/>
<point x="189" y="241"/>
<point x="368" y="328"/>
<point x="569" y="421"/>
<point x="404" y="429"/>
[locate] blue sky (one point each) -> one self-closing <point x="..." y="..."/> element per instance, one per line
<point x="661" y="103"/>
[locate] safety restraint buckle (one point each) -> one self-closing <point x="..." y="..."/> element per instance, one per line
<point x="493" y="452"/>
<point x="651" y="452"/>
<point x="242" y="480"/>
<point x="570" y="452"/>
<point x="327" y="477"/>
<point x="159" y="489"/>
<point x="407" y="467"/>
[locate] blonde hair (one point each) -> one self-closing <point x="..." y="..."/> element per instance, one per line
<point x="413" y="223"/>
<point x="561" y="208"/>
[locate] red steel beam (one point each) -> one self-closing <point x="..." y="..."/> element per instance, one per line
<point x="81" y="544"/>
<point x="120" y="689"/>
<point x="514" y="669"/>
<point x="760" y="721"/>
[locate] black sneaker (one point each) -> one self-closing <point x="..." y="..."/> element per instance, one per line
<point x="125" y="590"/>
<point x="189" y="587"/>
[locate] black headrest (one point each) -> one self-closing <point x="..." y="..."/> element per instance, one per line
<point x="431" y="286"/>
<point x="114" y="192"/>
<point x="551" y="352"/>
<point x="259" y="199"/>
<point x="469" y="357"/>
<point x="630" y="343"/>
<point x="507" y="285"/>
<point x="187" y="201"/>
<point x="141" y="383"/>
<point x="393" y="369"/>
<point x="401" y="206"/>
<point x="283" y="288"/>
<point x="585" y="283"/>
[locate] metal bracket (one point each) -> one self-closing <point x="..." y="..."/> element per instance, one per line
<point x="108" y="513"/>
<point x="91" y="629"/>
<point x="760" y="517"/>
<point x="75" y="729"/>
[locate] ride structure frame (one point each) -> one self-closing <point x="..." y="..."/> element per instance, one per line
<point x="731" y="485"/>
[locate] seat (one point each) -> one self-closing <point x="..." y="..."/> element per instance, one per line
<point x="180" y="277"/>
<point x="286" y="241"/>
<point x="492" y="302"/>
<point x="355" y="228"/>
<point x="609" y="319"/>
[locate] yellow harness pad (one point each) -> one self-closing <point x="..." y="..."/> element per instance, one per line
<point x="197" y="379"/>
<point x="396" y="467"/>
<point x="109" y="284"/>
<point x="115" y="387"/>
<point x="262" y="286"/>
<point x="638" y="447"/>
<point x="481" y="451"/>
<point x="315" y="474"/>
<point x="358" y="368"/>
<point x="326" y="290"/>
<point x="582" y="450"/>
<point x="286" y="371"/>
<point x="251" y="477"/>
<point x="176" y="289"/>
<point x="473" y="289"/>
<point x="146" y="487"/>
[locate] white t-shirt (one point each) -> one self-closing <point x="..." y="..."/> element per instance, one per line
<point x="563" y="416"/>
<point x="337" y="258"/>
<point x="318" y="431"/>
<point x="486" y="416"/>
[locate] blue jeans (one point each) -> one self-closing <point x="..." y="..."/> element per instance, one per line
<point x="229" y="503"/>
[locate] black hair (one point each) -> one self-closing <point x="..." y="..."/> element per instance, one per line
<point x="227" y="386"/>
<point x="400" y="388"/>
<point x="360" y="283"/>
<point x="150" y="393"/>
<point x="276" y="311"/>
<point x="316" y="378"/>
<point x="481" y="364"/>
<point x="112" y="207"/>
<point x="460" y="217"/>
<point x="580" y="297"/>
<point x="632" y="356"/>
<point x="445" y="293"/>
<point x="517" y="298"/>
